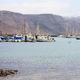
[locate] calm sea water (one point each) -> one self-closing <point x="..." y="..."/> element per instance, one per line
<point x="58" y="60"/>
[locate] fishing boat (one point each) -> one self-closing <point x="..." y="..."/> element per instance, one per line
<point x="42" y="38"/>
<point x="70" y="32"/>
<point x="17" y="38"/>
<point x="28" y="37"/>
<point x="78" y="38"/>
<point x="4" y="39"/>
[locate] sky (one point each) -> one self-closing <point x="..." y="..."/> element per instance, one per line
<point x="67" y="8"/>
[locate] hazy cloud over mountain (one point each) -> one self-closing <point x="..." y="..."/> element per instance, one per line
<point x="59" y="7"/>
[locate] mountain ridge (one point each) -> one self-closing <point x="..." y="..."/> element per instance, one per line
<point x="12" y="22"/>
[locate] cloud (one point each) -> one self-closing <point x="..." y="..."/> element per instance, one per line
<point x="36" y="7"/>
<point x="72" y="14"/>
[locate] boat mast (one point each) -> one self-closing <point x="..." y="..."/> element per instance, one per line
<point x="24" y="31"/>
<point x="37" y="29"/>
<point x="28" y="29"/>
<point x="0" y="33"/>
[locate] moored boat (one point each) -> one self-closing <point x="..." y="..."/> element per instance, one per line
<point x="44" y="38"/>
<point x="17" y="38"/>
<point x="78" y="38"/>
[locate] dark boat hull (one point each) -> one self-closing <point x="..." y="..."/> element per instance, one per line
<point x="78" y="38"/>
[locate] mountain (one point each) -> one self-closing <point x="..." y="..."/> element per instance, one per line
<point x="12" y="23"/>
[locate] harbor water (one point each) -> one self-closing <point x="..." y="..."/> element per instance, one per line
<point x="58" y="60"/>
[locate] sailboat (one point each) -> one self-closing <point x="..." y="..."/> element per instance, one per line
<point x="42" y="38"/>
<point x="70" y="32"/>
<point x="27" y="34"/>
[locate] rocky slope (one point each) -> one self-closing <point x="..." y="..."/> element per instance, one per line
<point x="11" y="22"/>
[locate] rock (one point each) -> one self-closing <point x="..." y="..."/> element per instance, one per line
<point x="5" y="72"/>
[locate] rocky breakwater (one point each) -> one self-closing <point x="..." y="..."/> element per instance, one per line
<point x="5" y="72"/>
